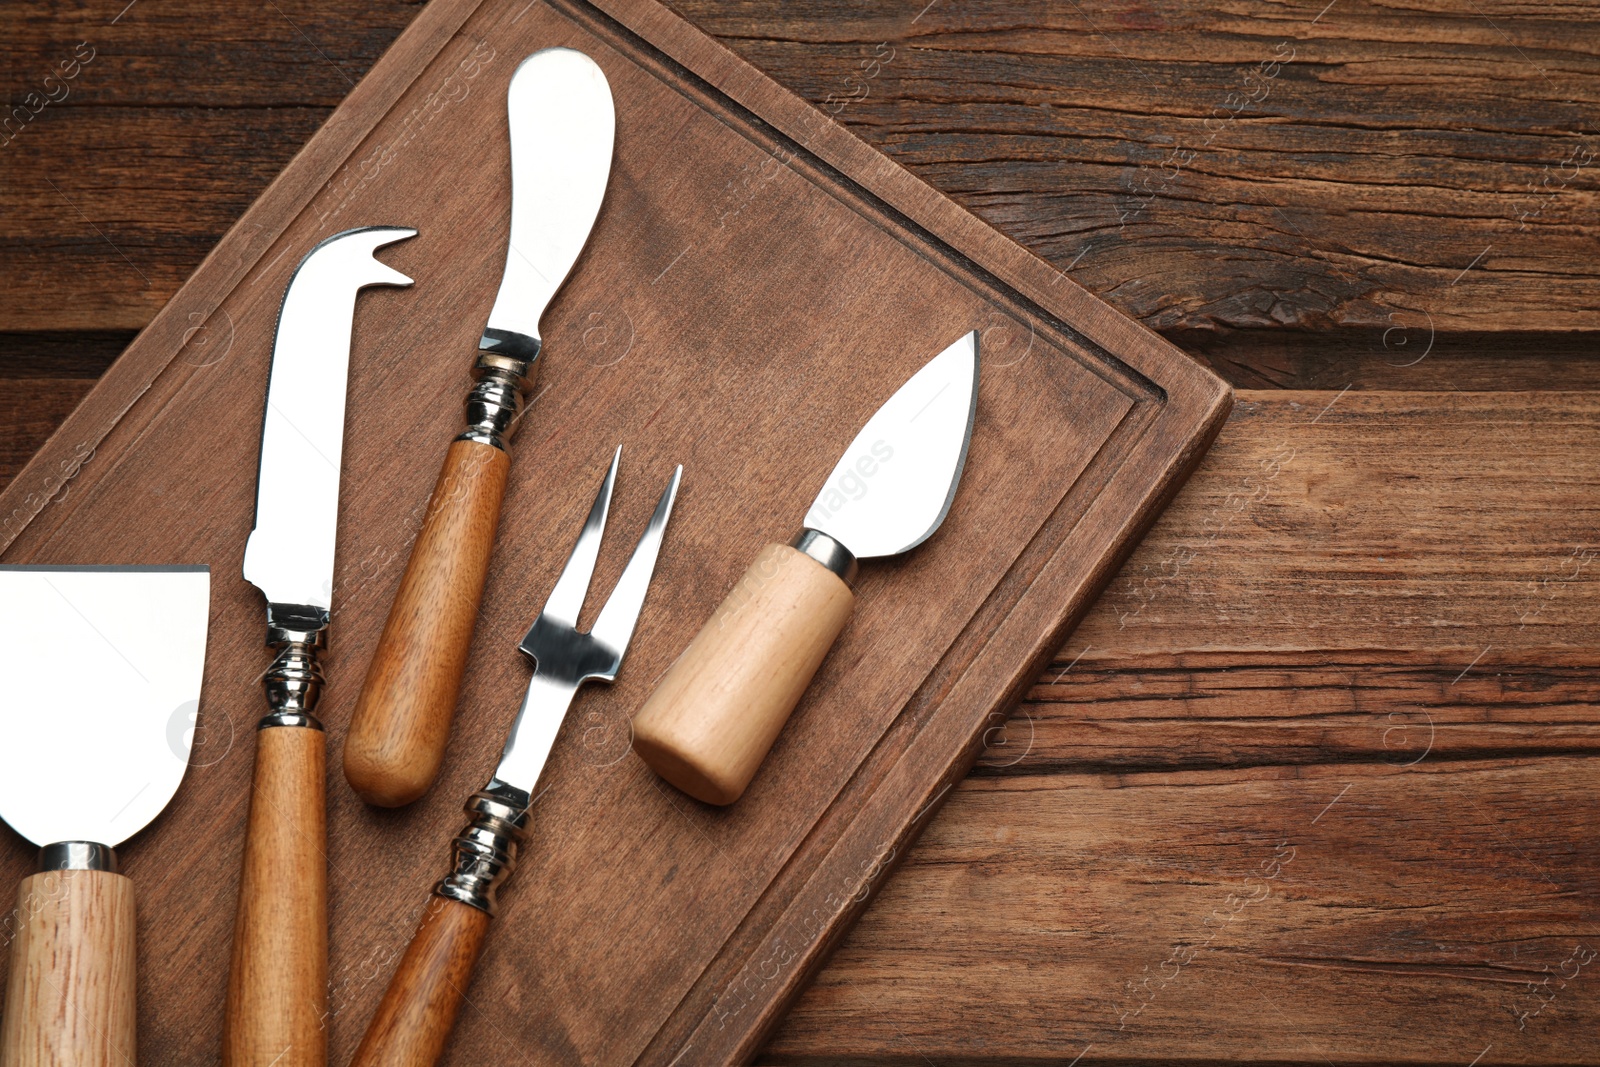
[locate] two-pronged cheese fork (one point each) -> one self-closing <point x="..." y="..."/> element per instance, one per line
<point x="419" y="1009"/>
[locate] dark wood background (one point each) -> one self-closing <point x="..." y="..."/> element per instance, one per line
<point x="1314" y="782"/>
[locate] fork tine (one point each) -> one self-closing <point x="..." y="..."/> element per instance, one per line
<point x="614" y="627"/>
<point x="566" y="599"/>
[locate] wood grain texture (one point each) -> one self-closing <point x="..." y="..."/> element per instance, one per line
<point x="1114" y="816"/>
<point x="278" y="979"/>
<point x="418" y="1011"/>
<point x="30" y="410"/>
<point x="402" y="719"/>
<point x="1433" y="523"/>
<point x="70" y="997"/>
<point x="1249" y="165"/>
<point x="1142" y="145"/>
<point x="713" y="718"/>
<point x="640" y="907"/>
<point x="1293" y="916"/>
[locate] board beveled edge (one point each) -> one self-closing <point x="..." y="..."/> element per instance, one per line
<point x="897" y="805"/>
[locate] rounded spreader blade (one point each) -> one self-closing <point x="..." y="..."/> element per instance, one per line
<point x="563" y="126"/>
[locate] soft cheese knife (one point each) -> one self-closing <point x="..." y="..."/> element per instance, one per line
<point x="103" y="668"/>
<point x="278" y="982"/>
<point x="711" y="720"/>
<point x="562" y="128"/>
<point x="419" y="1009"/>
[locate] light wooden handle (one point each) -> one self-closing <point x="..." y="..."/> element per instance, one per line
<point x="710" y="722"/>
<point x="419" y="1008"/>
<point x="70" y="996"/>
<point x="402" y="720"/>
<point x="278" y="982"/>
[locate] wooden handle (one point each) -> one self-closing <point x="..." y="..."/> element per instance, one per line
<point x="278" y="983"/>
<point x="710" y="722"/>
<point x="70" y="997"/>
<point x="402" y="720"/>
<point x="419" y="1008"/>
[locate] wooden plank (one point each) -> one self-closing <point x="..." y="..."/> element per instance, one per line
<point x="197" y="53"/>
<point x="105" y="247"/>
<point x="67" y="354"/>
<point x="1238" y="165"/>
<point x="30" y="411"/>
<point x="1441" y="523"/>
<point x="749" y="323"/>
<point x="1372" y="914"/>
<point x="1119" y="140"/>
<point x="1408" y="354"/>
<point x="1114" y="712"/>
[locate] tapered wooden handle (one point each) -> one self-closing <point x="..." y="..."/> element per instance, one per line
<point x="278" y="983"/>
<point x="710" y="722"/>
<point x="70" y="996"/>
<point x="402" y="720"/>
<point x="419" y="1009"/>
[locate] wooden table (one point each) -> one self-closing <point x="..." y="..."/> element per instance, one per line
<point x="1315" y="782"/>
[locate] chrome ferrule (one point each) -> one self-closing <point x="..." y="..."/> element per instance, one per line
<point x="485" y="853"/>
<point x="294" y="681"/>
<point x="78" y="856"/>
<point x="495" y="404"/>
<point x="828" y="552"/>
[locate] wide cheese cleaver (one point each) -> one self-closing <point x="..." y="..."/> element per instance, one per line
<point x="103" y="668"/>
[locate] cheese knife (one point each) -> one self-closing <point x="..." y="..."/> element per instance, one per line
<point x="562" y="124"/>
<point x="715" y="714"/>
<point x="103" y="669"/>
<point x="277" y="982"/>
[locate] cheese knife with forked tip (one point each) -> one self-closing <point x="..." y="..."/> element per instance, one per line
<point x="278" y="979"/>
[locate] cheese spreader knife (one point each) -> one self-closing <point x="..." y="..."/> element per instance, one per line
<point x="715" y="714"/>
<point x="103" y="668"/>
<point x="418" y="1010"/>
<point x="562" y="128"/>
<point x="278" y="980"/>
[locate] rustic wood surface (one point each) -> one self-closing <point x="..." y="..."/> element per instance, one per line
<point x="1381" y="600"/>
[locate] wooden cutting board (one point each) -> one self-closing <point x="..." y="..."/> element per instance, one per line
<point x="758" y="282"/>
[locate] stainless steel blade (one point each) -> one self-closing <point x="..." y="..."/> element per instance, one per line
<point x="563" y="126"/>
<point x="893" y="486"/>
<point x="289" y="556"/>
<point x="566" y="658"/>
<point x="103" y="668"/>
